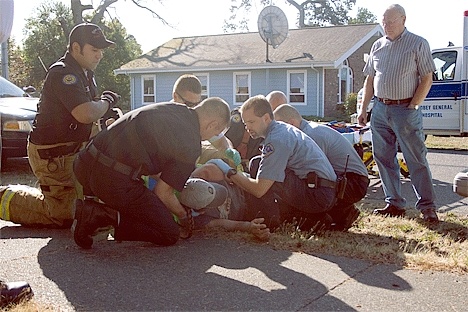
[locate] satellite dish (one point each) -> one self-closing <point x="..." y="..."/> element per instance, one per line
<point x="272" y="26"/>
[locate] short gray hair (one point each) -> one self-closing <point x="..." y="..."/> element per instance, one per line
<point x="397" y="8"/>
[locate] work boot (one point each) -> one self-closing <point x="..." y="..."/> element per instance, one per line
<point x="89" y="216"/>
<point x="390" y="210"/>
<point x="430" y="215"/>
<point x="14" y="293"/>
<point x="344" y="217"/>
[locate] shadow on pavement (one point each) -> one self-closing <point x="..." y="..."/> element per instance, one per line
<point x="196" y="274"/>
<point x="446" y="199"/>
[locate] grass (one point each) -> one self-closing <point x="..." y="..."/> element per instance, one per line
<point x="456" y="143"/>
<point x="408" y="242"/>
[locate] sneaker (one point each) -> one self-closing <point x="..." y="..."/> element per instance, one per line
<point x="14" y="293"/>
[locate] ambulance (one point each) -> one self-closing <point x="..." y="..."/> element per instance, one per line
<point x="445" y="109"/>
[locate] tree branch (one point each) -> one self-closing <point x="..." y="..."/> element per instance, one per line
<point x="137" y="3"/>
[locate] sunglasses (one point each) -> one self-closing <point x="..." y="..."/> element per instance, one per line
<point x="188" y="103"/>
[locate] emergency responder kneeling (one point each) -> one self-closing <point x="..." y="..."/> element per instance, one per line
<point x="67" y="109"/>
<point x="160" y="140"/>
<point x="294" y="180"/>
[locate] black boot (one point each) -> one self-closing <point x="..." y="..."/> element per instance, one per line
<point x="14" y="293"/>
<point x="90" y="216"/>
<point x="343" y="217"/>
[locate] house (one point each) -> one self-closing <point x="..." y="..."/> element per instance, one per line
<point x="315" y="67"/>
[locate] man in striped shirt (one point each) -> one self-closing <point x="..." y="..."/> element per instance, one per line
<point x="399" y="73"/>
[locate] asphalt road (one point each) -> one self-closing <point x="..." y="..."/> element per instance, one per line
<point x="444" y="164"/>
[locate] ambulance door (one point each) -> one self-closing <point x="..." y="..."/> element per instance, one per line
<point x="442" y="107"/>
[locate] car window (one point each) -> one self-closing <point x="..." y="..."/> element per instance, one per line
<point x="8" y="89"/>
<point x="445" y="62"/>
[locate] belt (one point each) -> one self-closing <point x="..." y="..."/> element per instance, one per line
<point x="124" y="169"/>
<point x="314" y="181"/>
<point x="392" y="102"/>
<point x="57" y="151"/>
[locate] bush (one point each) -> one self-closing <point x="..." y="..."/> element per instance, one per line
<point x="350" y="104"/>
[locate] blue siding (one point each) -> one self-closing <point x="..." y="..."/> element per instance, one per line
<point x="221" y="85"/>
<point x="136" y="97"/>
<point x="314" y="103"/>
<point x="164" y="85"/>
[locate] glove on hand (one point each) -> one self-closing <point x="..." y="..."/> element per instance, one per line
<point x="221" y="165"/>
<point x="234" y="155"/>
<point x="186" y="224"/>
<point x="111" y="97"/>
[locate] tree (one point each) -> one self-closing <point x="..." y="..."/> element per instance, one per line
<point x="364" y="16"/>
<point x="126" y="49"/>
<point x="47" y="37"/>
<point x="19" y="71"/>
<point x="45" y="40"/>
<point x="311" y="13"/>
<point x="323" y="13"/>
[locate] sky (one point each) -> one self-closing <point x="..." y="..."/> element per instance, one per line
<point x="437" y="21"/>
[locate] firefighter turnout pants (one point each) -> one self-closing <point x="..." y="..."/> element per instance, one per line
<point x="52" y="205"/>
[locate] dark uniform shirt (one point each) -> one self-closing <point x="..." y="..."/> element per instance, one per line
<point x="66" y="86"/>
<point x="159" y="138"/>
<point x="238" y="136"/>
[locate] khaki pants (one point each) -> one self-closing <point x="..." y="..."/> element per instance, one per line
<point x="54" y="205"/>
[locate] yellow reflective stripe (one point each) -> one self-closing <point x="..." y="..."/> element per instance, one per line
<point x="5" y="205"/>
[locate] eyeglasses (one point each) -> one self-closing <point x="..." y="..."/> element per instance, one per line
<point x="188" y="103"/>
<point x="390" y="23"/>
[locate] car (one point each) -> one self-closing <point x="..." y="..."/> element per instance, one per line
<point x="17" y="110"/>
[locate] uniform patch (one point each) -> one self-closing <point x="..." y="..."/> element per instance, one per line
<point x="236" y="118"/>
<point x="268" y="150"/>
<point x="69" y="79"/>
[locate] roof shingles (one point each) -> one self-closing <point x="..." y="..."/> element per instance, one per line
<point x="325" y="44"/>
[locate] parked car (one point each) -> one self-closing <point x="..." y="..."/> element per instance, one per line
<point x="17" y="111"/>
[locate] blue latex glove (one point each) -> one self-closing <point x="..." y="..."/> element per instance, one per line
<point x="221" y="165"/>
<point x="234" y="156"/>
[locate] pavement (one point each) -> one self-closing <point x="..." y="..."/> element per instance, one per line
<point x="215" y="274"/>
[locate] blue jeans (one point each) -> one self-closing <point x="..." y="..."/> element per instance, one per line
<point x="397" y="124"/>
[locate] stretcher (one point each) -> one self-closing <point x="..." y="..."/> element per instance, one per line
<point x="361" y="139"/>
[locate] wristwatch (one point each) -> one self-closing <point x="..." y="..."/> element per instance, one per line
<point x="231" y="172"/>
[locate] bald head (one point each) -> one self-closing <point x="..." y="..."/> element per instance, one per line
<point x="214" y="116"/>
<point x="276" y="98"/>
<point x="288" y="114"/>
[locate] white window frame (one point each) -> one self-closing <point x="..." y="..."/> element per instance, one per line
<point x="348" y="82"/>
<point x="205" y="93"/>
<point x="234" y="86"/>
<point x="143" y="94"/>
<point x="304" y="93"/>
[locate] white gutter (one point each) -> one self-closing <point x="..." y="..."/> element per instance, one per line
<point x="243" y="67"/>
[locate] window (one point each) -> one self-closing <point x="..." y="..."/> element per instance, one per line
<point x="445" y="62"/>
<point x="148" y="83"/>
<point x="241" y="87"/>
<point x="204" y="80"/>
<point x="297" y="82"/>
<point x="345" y="83"/>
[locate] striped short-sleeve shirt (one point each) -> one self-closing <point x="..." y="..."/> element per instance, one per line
<point x="398" y="65"/>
